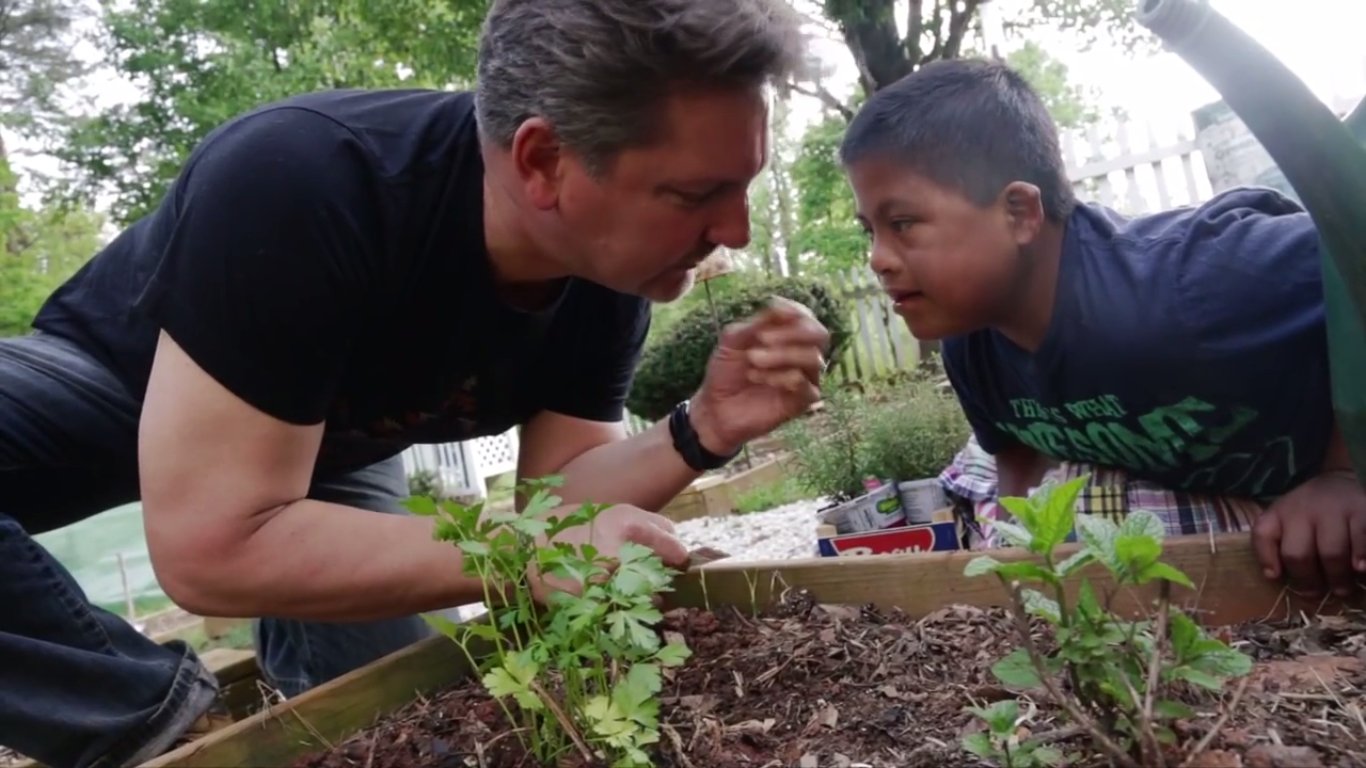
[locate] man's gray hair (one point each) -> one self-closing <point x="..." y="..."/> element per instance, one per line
<point x="597" y="70"/>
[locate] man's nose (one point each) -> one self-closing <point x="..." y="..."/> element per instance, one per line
<point x="732" y="226"/>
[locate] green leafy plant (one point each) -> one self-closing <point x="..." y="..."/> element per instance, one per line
<point x="580" y="673"/>
<point x="1001" y="742"/>
<point x="1122" y="675"/>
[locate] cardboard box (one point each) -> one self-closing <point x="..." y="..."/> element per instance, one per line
<point x="933" y="537"/>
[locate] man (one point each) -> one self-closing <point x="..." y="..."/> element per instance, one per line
<point x="335" y="277"/>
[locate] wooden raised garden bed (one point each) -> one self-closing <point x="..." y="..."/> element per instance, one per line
<point x="863" y="661"/>
<point x="716" y="495"/>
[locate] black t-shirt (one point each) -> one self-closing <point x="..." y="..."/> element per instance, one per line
<point x="323" y="258"/>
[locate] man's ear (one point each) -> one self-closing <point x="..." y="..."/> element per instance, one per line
<point x="536" y="156"/>
<point x="1024" y="210"/>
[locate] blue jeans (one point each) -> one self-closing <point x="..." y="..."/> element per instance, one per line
<point x="79" y="686"/>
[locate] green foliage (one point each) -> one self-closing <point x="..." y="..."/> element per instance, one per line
<point x="907" y="431"/>
<point x="201" y="62"/>
<point x="828" y="238"/>
<point x="38" y="250"/>
<point x="1070" y="105"/>
<point x="1001" y="742"/>
<point x="1122" y="673"/>
<point x="673" y="364"/>
<point x="585" y="672"/>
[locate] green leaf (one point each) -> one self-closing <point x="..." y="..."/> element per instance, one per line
<point x="1016" y="670"/>
<point x="532" y="527"/>
<point x="1197" y="677"/>
<point x="1024" y="510"/>
<point x="980" y="745"/>
<point x="1135" y="553"/>
<point x="1098" y="535"/>
<point x="1143" y="522"/>
<point x="421" y="505"/>
<point x="1041" y="605"/>
<point x="1048" y="755"/>
<point x="1014" y="534"/>
<point x="1078" y="560"/>
<point x="1185" y="636"/>
<point x="1057" y="513"/>
<point x="1000" y="716"/>
<point x="981" y="565"/>
<point x="1216" y="658"/>
<point x="476" y="548"/>
<point x="673" y="654"/>
<point x="1172" y="710"/>
<point x="1164" y="571"/>
<point x="443" y="625"/>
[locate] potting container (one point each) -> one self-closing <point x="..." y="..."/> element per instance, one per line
<point x="905" y="539"/>
<point x="920" y="499"/>
<point x="872" y="511"/>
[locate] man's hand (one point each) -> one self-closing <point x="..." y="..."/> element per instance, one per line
<point x="764" y="372"/>
<point x="1316" y="535"/>
<point x="613" y="527"/>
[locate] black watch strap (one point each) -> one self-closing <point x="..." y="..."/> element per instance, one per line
<point x="688" y="445"/>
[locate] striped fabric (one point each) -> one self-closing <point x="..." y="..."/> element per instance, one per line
<point x="971" y="481"/>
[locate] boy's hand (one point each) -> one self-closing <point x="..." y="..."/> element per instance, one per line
<point x="1316" y="535"/>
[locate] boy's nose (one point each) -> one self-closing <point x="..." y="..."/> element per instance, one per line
<point x="883" y="260"/>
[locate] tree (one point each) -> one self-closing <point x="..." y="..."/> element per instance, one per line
<point x="939" y="30"/>
<point x="38" y="250"/>
<point x="201" y="62"/>
<point x="35" y="62"/>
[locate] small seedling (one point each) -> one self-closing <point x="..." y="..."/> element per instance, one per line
<point x="584" y="670"/>
<point x="1001" y="743"/>
<point x="1121" y="674"/>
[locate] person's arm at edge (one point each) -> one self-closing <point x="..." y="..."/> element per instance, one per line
<point x="239" y="541"/>
<point x="1019" y="468"/>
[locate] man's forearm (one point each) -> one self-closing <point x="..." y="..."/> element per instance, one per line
<point x="643" y="470"/>
<point x="316" y="560"/>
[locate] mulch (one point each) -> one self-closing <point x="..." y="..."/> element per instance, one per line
<point x="812" y="686"/>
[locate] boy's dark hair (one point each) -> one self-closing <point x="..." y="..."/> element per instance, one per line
<point x="969" y="125"/>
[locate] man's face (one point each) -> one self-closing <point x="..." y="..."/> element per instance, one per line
<point x="659" y="210"/>
<point x="949" y="266"/>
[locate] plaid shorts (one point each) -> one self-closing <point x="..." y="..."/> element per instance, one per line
<point x="971" y="480"/>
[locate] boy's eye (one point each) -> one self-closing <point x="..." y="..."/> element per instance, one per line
<point x="901" y="225"/>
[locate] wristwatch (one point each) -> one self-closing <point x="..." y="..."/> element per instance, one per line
<point x="689" y="446"/>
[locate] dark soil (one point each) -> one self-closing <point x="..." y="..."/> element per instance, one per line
<point x="811" y="686"/>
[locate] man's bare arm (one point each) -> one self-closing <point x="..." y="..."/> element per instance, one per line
<point x="1019" y="468"/>
<point x="600" y="464"/>
<point x="229" y="530"/>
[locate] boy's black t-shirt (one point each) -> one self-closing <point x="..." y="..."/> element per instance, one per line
<point x="323" y="258"/>
<point x="1187" y="347"/>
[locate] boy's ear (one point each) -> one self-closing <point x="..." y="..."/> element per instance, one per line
<point x="1024" y="208"/>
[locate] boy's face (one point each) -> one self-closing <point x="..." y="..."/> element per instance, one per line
<point x="949" y="266"/>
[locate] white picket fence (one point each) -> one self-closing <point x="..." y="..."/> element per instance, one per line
<point x="463" y="469"/>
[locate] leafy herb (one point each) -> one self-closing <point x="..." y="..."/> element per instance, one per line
<point x="1122" y="673"/>
<point x="584" y="670"/>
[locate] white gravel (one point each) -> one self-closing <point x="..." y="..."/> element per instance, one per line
<point x="776" y="534"/>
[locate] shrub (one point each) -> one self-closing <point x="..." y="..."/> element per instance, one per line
<point x="672" y="365"/>
<point x="906" y="431"/>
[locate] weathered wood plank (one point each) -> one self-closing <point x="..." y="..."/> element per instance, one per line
<point x="1231" y="589"/>
<point x="1230" y="585"/>
<point x="328" y="713"/>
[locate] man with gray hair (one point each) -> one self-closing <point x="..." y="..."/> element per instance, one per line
<point x="340" y="275"/>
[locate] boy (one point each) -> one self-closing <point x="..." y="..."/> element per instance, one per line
<point x="1185" y="348"/>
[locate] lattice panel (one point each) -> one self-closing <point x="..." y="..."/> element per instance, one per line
<point x="496" y="455"/>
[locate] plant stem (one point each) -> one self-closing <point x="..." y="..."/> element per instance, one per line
<point x="1154" y="670"/>
<point x="1103" y="741"/>
<point x="1204" y="742"/>
<point x="564" y="721"/>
